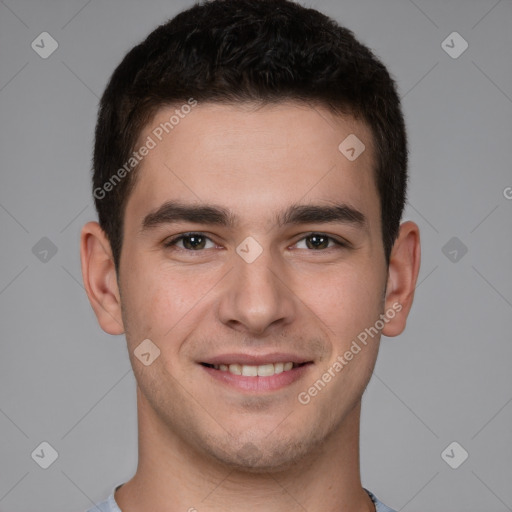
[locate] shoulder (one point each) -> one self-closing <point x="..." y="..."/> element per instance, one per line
<point x="379" y="506"/>
<point x="109" y="505"/>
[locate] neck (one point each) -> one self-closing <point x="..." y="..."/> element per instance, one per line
<point x="173" y="477"/>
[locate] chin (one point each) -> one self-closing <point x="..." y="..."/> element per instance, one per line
<point x="262" y="456"/>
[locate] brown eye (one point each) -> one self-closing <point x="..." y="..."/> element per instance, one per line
<point x="320" y="241"/>
<point x="190" y="241"/>
<point x="317" y="241"/>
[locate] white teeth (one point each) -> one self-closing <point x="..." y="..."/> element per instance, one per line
<point x="249" y="371"/>
<point x="236" y="369"/>
<point x="278" y="367"/>
<point x="262" y="370"/>
<point x="266" y="370"/>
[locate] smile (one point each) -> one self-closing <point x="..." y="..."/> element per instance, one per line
<point x="262" y="370"/>
<point x="262" y="376"/>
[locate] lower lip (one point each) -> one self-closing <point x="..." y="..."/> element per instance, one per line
<point x="258" y="384"/>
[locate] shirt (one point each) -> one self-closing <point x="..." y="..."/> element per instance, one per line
<point x="110" y="505"/>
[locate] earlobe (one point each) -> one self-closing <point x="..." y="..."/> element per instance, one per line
<point x="100" y="280"/>
<point x="404" y="266"/>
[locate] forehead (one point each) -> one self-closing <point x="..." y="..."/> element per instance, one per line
<point x="254" y="160"/>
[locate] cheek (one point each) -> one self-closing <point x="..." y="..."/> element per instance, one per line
<point x="347" y="300"/>
<point x="161" y="305"/>
<point x="147" y="302"/>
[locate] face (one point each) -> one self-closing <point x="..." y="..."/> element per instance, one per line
<point x="253" y="260"/>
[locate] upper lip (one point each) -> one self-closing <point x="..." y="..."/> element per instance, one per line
<point x="256" y="360"/>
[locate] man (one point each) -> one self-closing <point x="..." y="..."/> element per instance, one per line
<point x="249" y="176"/>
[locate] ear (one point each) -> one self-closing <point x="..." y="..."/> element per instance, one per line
<point x="100" y="280"/>
<point x="404" y="266"/>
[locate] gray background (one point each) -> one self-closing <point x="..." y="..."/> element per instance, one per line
<point x="447" y="378"/>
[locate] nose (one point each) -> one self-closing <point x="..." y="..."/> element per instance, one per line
<point x="256" y="299"/>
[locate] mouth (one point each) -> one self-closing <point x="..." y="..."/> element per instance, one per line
<point x="262" y="370"/>
<point x="256" y="374"/>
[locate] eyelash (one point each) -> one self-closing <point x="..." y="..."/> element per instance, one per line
<point x="173" y="241"/>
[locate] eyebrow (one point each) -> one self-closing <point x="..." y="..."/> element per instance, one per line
<point x="174" y="211"/>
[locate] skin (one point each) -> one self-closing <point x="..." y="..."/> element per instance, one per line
<point x="205" y="445"/>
